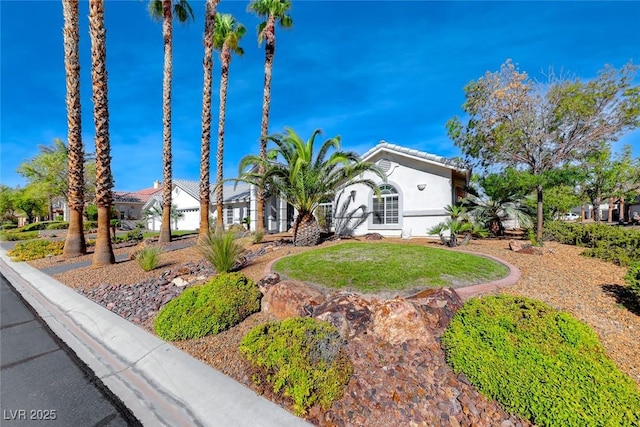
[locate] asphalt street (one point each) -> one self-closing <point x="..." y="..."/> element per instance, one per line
<point x="41" y="381"/>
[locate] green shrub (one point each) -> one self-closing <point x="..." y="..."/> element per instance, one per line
<point x="58" y="225"/>
<point x="90" y="225"/>
<point x="13" y="236"/>
<point x="208" y="309"/>
<point x="633" y="279"/>
<point x="8" y="225"/>
<point x="302" y="358"/>
<point x="41" y="225"/>
<point x="221" y="249"/>
<point x="148" y="258"/>
<point x="35" y="249"/>
<point x="539" y="363"/>
<point x="611" y="243"/>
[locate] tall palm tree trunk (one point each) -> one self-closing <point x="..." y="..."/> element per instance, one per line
<point x="270" y="50"/>
<point x="75" y="244"/>
<point x="103" y="254"/>
<point x="224" y="83"/>
<point x="205" y="163"/>
<point x="167" y="33"/>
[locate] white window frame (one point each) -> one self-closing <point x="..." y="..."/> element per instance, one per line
<point x="386" y="198"/>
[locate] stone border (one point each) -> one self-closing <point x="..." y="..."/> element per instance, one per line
<point x="465" y="292"/>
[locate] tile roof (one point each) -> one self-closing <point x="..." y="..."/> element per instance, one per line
<point x="383" y="145"/>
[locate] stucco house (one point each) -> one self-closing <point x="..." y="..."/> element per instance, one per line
<point x="419" y="185"/>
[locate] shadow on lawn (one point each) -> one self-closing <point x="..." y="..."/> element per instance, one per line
<point x="624" y="297"/>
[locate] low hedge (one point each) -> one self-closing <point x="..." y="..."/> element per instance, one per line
<point x="35" y="249"/>
<point x="209" y="309"/>
<point x="14" y="236"/>
<point x="633" y="279"/>
<point x="58" y="225"/>
<point x="539" y="363"/>
<point x="612" y="243"/>
<point x="301" y="358"/>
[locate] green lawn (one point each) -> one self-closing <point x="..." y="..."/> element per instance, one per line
<point x="373" y="267"/>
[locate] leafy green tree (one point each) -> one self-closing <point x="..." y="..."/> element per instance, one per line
<point x="30" y="201"/>
<point x="205" y="146"/>
<point x="227" y="35"/>
<point x="49" y="171"/>
<point x="7" y="203"/>
<point x="304" y="177"/>
<point x="272" y="11"/>
<point x="607" y="176"/>
<point x="538" y="127"/>
<point x="165" y="10"/>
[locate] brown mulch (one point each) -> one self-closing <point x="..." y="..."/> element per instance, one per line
<point x="591" y="289"/>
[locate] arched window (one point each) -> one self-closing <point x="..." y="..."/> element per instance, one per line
<point x="386" y="209"/>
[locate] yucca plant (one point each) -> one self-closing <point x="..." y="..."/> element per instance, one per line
<point x="148" y="258"/>
<point x="221" y="249"/>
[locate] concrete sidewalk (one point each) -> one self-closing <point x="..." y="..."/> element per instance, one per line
<point x="160" y="384"/>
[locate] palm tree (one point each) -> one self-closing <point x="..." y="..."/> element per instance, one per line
<point x="304" y="178"/>
<point x="458" y="224"/>
<point x="103" y="254"/>
<point x="165" y="9"/>
<point x="205" y="149"/>
<point x="226" y="39"/>
<point x="271" y="11"/>
<point x="74" y="244"/>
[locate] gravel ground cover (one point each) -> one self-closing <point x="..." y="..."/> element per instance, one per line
<point x="405" y="385"/>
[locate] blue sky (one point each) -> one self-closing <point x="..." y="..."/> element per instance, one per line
<point x="364" y="70"/>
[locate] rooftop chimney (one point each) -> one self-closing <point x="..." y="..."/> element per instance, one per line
<point x="156" y="184"/>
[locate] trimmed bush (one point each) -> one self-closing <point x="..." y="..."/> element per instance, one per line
<point x="58" y="225"/>
<point x="148" y="258"/>
<point x="611" y="243"/>
<point x="540" y="363"/>
<point x="35" y="249"/>
<point x="301" y="358"/>
<point x="633" y="279"/>
<point x="208" y="309"/>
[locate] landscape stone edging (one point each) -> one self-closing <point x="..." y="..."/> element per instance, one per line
<point x="465" y="292"/>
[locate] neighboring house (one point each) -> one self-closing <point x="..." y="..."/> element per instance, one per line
<point x="418" y="187"/>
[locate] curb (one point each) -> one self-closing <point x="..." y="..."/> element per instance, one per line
<point x="159" y="383"/>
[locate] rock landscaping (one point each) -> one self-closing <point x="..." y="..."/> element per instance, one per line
<point x="400" y="376"/>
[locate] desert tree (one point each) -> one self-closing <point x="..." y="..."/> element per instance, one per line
<point x="539" y="126"/>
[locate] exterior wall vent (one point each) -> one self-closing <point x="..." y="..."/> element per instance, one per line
<point x="384" y="164"/>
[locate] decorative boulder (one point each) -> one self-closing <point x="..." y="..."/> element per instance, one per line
<point x="268" y="281"/>
<point x="348" y="312"/>
<point x="290" y="298"/>
<point x="373" y="236"/>
<point x="437" y="306"/>
<point x="514" y="245"/>
<point x="398" y="320"/>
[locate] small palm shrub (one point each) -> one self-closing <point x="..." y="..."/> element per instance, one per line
<point x="35" y="249"/>
<point x="633" y="279"/>
<point x="221" y="249"/>
<point x="208" y="309"/>
<point x="301" y="358"/>
<point x="148" y="258"/>
<point x="540" y="363"/>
